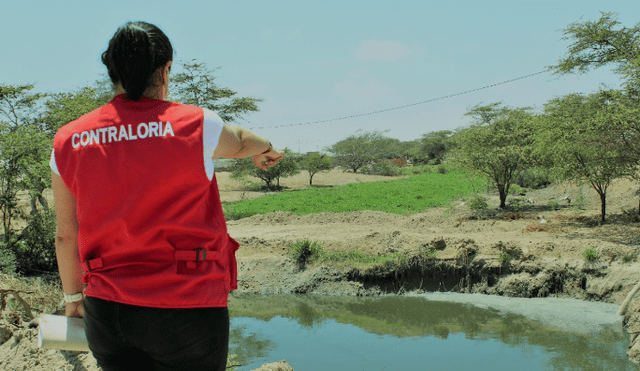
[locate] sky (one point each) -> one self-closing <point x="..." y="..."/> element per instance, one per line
<point x="322" y="67"/>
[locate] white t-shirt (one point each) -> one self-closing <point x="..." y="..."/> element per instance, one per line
<point x="211" y="130"/>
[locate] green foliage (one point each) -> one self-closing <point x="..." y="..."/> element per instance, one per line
<point x="416" y="169"/>
<point x="515" y="204"/>
<point x="314" y="163"/>
<point x="590" y="255"/>
<point x="360" y="149"/>
<point x="35" y="250"/>
<point x="517" y="190"/>
<point x="504" y="257"/>
<point x="578" y="137"/>
<point x="477" y="202"/>
<point x="25" y="148"/>
<point x="305" y="252"/>
<point x="434" y="146"/>
<point x="554" y="204"/>
<point x="441" y="169"/>
<point x="360" y="259"/>
<point x="384" y="168"/>
<point x="8" y="262"/>
<point x="195" y="85"/>
<point x="63" y="108"/>
<point x="600" y="43"/>
<point x="580" y="202"/>
<point x="498" y="145"/>
<point x="627" y="258"/>
<point x="288" y="166"/>
<point x="533" y="177"/>
<point x="429" y="252"/>
<point x="401" y="196"/>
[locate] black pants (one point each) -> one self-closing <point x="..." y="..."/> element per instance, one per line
<point x="126" y="337"/>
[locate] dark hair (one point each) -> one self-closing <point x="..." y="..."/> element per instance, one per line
<point x="135" y="52"/>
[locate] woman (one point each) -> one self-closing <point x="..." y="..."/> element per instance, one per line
<point x="142" y="245"/>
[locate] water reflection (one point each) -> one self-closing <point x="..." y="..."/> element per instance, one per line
<point x="247" y="347"/>
<point x="394" y="318"/>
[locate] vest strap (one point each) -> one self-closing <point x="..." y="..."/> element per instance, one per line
<point x="190" y="256"/>
<point x="193" y="256"/>
<point x="91" y="264"/>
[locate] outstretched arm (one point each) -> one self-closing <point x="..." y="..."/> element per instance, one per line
<point x="236" y="142"/>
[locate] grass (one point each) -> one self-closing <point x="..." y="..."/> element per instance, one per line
<point x="359" y="259"/>
<point x="402" y="196"/>
<point x="591" y="255"/>
<point x="306" y="252"/>
<point x="504" y="257"/>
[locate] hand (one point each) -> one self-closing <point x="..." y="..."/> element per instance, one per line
<point x="265" y="160"/>
<point x="75" y="309"/>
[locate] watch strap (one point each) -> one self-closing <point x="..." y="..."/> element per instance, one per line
<point x="73" y="298"/>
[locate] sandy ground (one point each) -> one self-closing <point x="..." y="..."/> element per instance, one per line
<point x="546" y="247"/>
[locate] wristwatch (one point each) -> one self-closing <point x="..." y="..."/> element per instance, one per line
<point x="73" y="298"/>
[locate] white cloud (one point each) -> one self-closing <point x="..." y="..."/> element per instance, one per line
<point x="361" y="86"/>
<point x="388" y="51"/>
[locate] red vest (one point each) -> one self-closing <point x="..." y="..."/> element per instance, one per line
<point x="151" y="228"/>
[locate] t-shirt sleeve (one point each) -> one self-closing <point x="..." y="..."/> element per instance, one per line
<point x="211" y="130"/>
<point x="52" y="163"/>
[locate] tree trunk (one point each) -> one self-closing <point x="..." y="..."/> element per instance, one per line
<point x="603" y="205"/>
<point x="503" y="197"/>
<point x="310" y="178"/>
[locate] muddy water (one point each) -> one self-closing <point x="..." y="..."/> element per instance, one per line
<point x="426" y="332"/>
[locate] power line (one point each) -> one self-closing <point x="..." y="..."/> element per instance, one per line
<point x="397" y="108"/>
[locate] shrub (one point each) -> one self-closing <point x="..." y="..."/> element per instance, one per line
<point x="35" y="249"/>
<point x="429" y="252"/>
<point x="516" y="190"/>
<point x="384" y="168"/>
<point x="441" y="169"/>
<point x="515" y="204"/>
<point x="591" y="255"/>
<point x="477" y="202"/>
<point x="627" y="258"/>
<point x="304" y="252"/>
<point x="535" y="178"/>
<point x="504" y="257"/>
<point x="580" y="202"/>
<point x="554" y="204"/>
<point x="8" y="263"/>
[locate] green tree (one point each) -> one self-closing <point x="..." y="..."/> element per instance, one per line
<point x="24" y="149"/>
<point x="498" y="144"/>
<point x="434" y="146"/>
<point x="409" y="150"/>
<point x="601" y="43"/>
<point x="314" y="163"/>
<point x="359" y="149"/>
<point x="579" y="135"/>
<point x="196" y="85"/>
<point x="288" y="166"/>
<point x="62" y="108"/>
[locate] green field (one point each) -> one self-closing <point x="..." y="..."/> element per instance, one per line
<point x="402" y="196"/>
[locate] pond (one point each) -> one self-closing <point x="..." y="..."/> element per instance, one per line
<point x="426" y="332"/>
